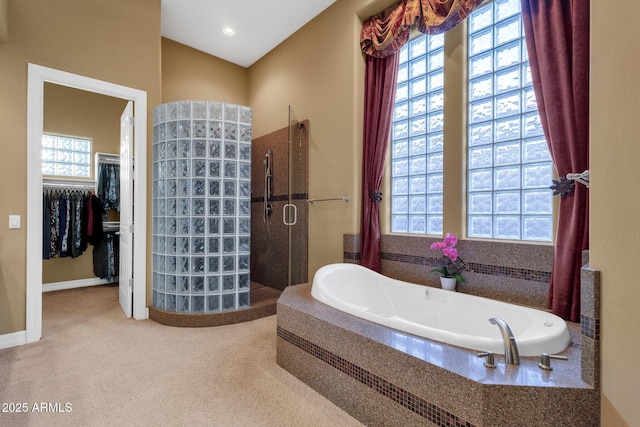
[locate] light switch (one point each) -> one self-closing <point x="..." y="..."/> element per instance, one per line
<point x="14" y="221"/>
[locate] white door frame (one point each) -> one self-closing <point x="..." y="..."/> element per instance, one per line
<point x="37" y="77"/>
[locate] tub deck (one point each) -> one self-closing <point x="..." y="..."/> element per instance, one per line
<point x="382" y="376"/>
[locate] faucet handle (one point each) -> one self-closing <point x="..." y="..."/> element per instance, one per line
<point x="545" y="360"/>
<point x="490" y="362"/>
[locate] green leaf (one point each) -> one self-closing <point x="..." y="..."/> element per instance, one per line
<point x="459" y="278"/>
<point x="442" y="271"/>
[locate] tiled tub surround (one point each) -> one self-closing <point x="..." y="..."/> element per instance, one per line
<point x="590" y="324"/>
<point x="511" y="272"/>
<point x="201" y="207"/>
<point x="385" y="377"/>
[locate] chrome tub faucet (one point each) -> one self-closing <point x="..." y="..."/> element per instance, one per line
<point x="511" y="354"/>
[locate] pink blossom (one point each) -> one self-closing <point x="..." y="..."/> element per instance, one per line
<point x="438" y="246"/>
<point x="451" y="253"/>
<point x="450" y="239"/>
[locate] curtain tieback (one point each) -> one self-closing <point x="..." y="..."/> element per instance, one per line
<point x="375" y="196"/>
<point x="563" y="186"/>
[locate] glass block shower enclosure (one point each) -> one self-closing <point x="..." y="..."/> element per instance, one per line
<point x="201" y="206"/>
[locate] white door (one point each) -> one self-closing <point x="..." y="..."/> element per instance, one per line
<point x="126" y="210"/>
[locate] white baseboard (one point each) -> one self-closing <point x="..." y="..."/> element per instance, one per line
<point x="13" y="339"/>
<point x="70" y="284"/>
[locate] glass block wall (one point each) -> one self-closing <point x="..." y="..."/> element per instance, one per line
<point x="201" y="206"/>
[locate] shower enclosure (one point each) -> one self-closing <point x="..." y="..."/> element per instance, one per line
<point x="279" y="211"/>
<point x="201" y="207"/>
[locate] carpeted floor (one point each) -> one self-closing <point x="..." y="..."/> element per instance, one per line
<point x="94" y="367"/>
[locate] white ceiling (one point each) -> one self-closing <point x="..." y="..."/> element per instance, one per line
<point x="260" y="25"/>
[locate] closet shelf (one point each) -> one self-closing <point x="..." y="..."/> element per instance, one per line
<point x="68" y="183"/>
<point x="110" y="226"/>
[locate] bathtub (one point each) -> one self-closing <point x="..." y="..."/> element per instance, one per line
<point x="450" y="317"/>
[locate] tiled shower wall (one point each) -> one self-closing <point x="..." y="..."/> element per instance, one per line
<point x="201" y="206"/>
<point x="269" y="237"/>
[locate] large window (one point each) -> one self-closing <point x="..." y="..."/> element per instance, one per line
<point x="66" y="156"/>
<point x="417" y="138"/>
<point x="509" y="169"/>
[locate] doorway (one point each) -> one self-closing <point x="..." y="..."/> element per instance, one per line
<point x="37" y="77"/>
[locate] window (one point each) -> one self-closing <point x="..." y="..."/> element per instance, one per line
<point x="417" y="138"/>
<point x="66" y="156"/>
<point x="509" y="168"/>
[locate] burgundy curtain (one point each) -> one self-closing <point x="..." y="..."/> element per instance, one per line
<point x="381" y="38"/>
<point x="380" y="91"/>
<point x="557" y="35"/>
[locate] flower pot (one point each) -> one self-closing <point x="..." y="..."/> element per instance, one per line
<point x="448" y="283"/>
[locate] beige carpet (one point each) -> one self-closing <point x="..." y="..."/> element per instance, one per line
<point x="93" y="367"/>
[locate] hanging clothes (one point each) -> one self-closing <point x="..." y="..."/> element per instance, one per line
<point x="106" y="259"/>
<point x="109" y="186"/>
<point x="71" y="221"/>
<point x="78" y="234"/>
<point x="94" y="209"/>
<point x="63" y="216"/>
<point x="63" y="237"/>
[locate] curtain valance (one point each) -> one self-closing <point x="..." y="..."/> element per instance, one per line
<point x="388" y="31"/>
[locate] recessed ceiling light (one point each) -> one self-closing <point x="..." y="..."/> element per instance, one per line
<point x="228" y="31"/>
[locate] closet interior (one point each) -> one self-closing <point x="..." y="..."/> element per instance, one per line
<point x="81" y="225"/>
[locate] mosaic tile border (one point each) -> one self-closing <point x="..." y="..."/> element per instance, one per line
<point x="351" y="256"/>
<point x="590" y="327"/>
<point x="281" y="197"/>
<point x="494" y="270"/>
<point x="408" y="400"/>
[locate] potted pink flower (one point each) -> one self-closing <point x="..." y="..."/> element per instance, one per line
<point x="450" y="263"/>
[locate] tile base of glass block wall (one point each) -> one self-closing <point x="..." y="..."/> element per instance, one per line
<point x="191" y="320"/>
<point x="201" y="207"/>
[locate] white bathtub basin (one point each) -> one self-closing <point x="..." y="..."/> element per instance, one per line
<point x="450" y="317"/>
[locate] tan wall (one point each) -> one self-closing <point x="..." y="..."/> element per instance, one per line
<point x="188" y="73"/>
<point x="4" y="20"/>
<point x="74" y="112"/>
<point x="117" y="41"/>
<point x="614" y="204"/>
<point x="319" y="72"/>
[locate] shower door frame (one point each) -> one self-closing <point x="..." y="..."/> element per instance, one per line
<point x="298" y="192"/>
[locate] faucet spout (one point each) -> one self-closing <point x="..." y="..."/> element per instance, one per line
<point x="511" y="354"/>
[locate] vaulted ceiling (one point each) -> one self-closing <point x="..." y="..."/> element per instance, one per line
<point x="258" y="25"/>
